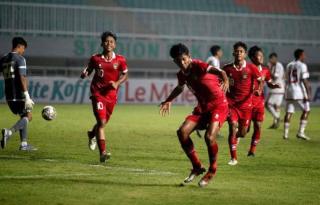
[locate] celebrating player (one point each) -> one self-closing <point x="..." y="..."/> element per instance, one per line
<point x="241" y="77"/>
<point x="110" y="71"/>
<point x="14" y="69"/>
<point x="211" y="111"/>
<point x="275" y="96"/>
<point x="256" y="56"/>
<point x="298" y="92"/>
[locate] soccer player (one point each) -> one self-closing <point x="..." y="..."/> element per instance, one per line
<point x="216" y="55"/>
<point x="110" y="71"/>
<point x="275" y="96"/>
<point x="298" y="92"/>
<point x="14" y="69"/>
<point x="241" y="77"/>
<point x="256" y="56"/>
<point x="212" y="109"/>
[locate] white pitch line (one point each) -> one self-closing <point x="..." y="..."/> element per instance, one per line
<point x="135" y="171"/>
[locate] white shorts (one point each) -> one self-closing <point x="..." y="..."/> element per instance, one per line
<point x="275" y="99"/>
<point x="304" y="106"/>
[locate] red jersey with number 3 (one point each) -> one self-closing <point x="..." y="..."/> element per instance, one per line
<point x="241" y="82"/>
<point x="265" y="77"/>
<point x="205" y="86"/>
<point x="105" y="72"/>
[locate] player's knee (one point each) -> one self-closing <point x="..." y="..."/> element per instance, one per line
<point x="182" y="133"/>
<point x="242" y="133"/>
<point x="257" y="125"/>
<point x="235" y="127"/>
<point x="28" y="116"/>
<point x="210" y="137"/>
<point x="101" y="124"/>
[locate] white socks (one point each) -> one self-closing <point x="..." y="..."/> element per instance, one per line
<point x="286" y="129"/>
<point x="303" y="124"/>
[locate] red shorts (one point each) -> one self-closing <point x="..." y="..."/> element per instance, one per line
<point x="103" y="107"/>
<point x="258" y="113"/>
<point x="218" y="114"/>
<point x="240" y="115"/>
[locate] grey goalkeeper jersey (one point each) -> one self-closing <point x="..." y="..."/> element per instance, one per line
<point x="13" y="66"/>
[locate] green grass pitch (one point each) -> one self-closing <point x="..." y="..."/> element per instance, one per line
<point x="147" y="163"/>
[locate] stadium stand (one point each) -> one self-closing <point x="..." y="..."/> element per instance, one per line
<point x="200" y="22"/>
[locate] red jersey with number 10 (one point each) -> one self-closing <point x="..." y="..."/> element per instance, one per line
<point x="205" y="86"/>
<point x="241" y="84"/>
<point x="105" y="72"/>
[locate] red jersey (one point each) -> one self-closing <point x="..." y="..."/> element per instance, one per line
<point x="265" y="77"/>
<point x="241" y="84"/>
<point x="205" y="86"/>
<point x="106" y="71"/>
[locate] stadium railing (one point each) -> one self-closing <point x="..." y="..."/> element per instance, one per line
<point x="75" y="20"/>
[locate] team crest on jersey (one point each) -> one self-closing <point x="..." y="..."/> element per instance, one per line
<point x="244" y="75"/>
<point x="115" y="66"/>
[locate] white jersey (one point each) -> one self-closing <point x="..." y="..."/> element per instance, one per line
<point x="213" y="61"/>
<point x="295" y="73"/>
<point x="277" y="76"/>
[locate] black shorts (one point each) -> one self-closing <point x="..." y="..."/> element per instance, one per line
<point x="18" y="107"/>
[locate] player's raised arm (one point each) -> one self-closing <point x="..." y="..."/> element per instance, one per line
<point x="165" y="106"/>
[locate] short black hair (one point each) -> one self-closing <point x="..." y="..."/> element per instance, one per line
<point x="178" y="50"/>
<point x="214" y="49"/>
<point x="297" y="53"/>
<point x="240" y="44"/>
<point x="105" y="34"/>
<point x="273" y="55"/>
<point x="19" y="41"/>
<point x="253" y="51"/>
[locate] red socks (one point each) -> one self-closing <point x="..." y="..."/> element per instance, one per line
<point x="233" y="146"/>
<point x="102" y="146"/>
<point x="255" y="140"/>
<point x="187" y="146"/>
<point x="213" y="156"/>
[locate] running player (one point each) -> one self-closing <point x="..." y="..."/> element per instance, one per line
<point x="241" y="77"/>
<point x="14" y="68"/>
<point x="110" y="71"/>
<point x="256" y="56"/>
<point x="275" y="96"/>
<point x="298" y="92"/>
<point x="211" y="111"/>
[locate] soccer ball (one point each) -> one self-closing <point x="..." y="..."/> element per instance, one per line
<point x="49" y="113"/>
